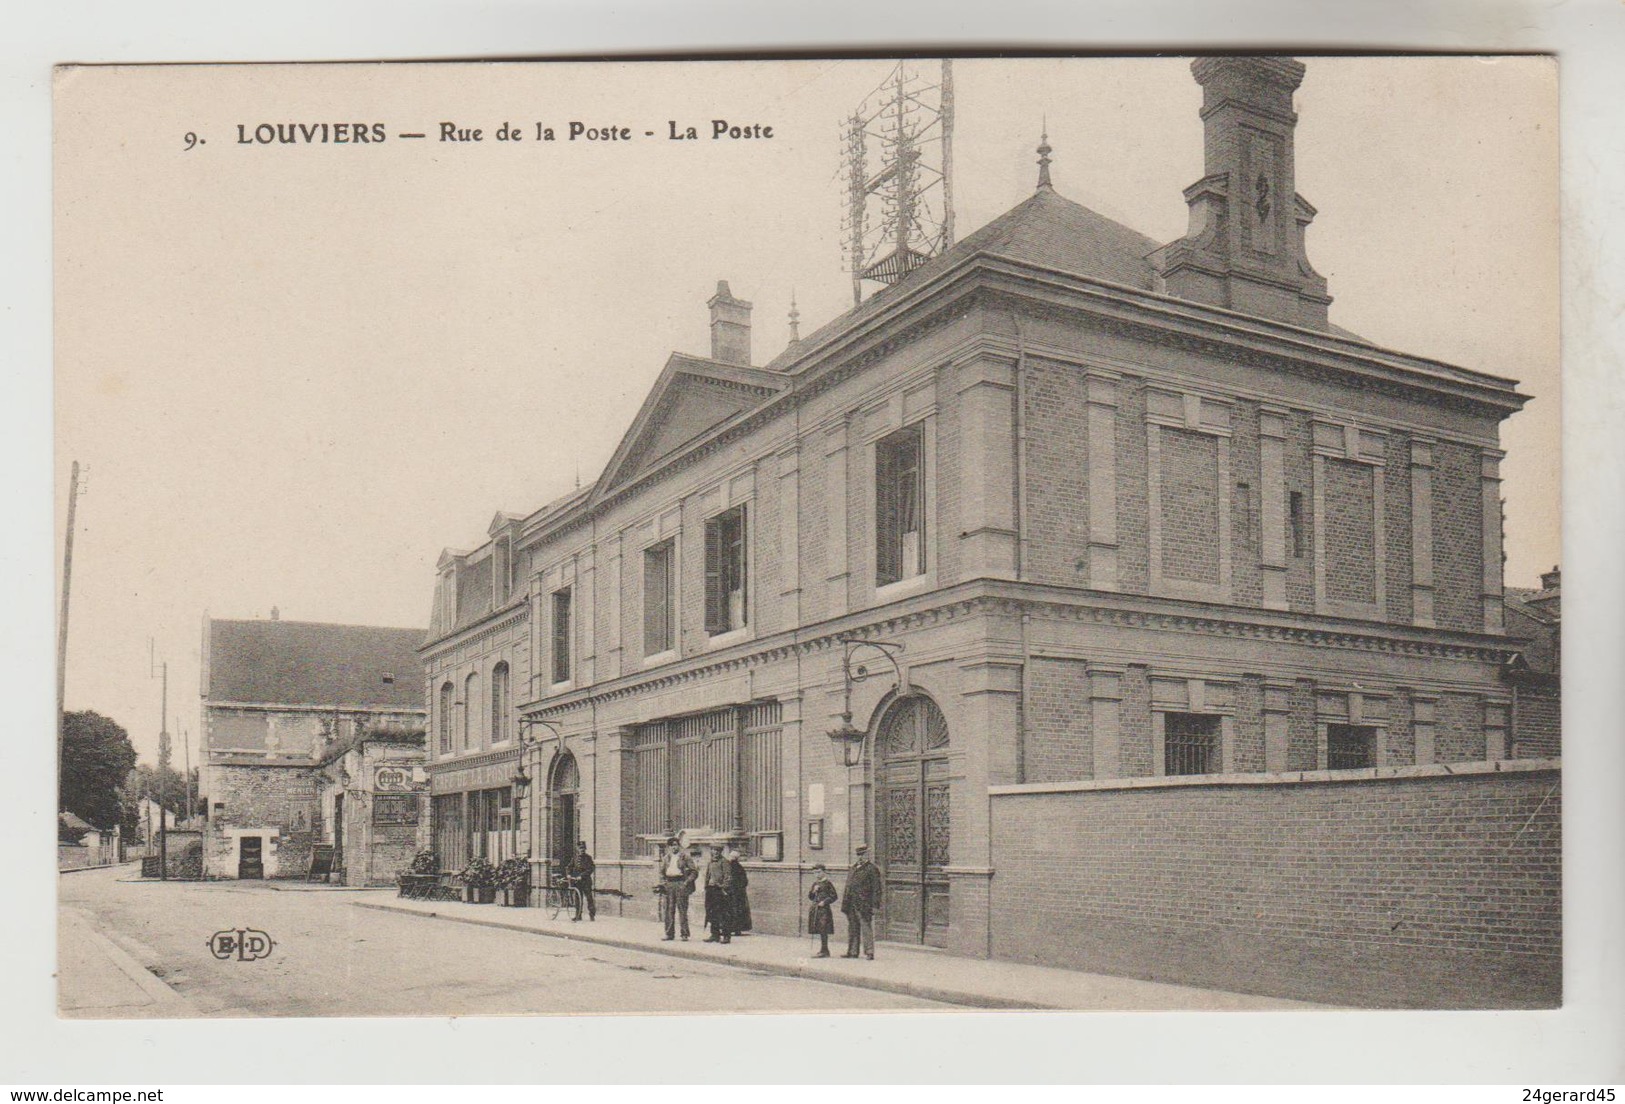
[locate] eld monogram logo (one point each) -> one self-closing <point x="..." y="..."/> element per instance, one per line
<point x="246" y="944"/>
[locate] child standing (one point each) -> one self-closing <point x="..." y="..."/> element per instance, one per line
<point x="820" y="920"/>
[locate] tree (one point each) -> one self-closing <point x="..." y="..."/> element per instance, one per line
<point x="96" y="760"/>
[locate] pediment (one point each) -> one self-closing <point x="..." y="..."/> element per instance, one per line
<point x="691" y="398"/>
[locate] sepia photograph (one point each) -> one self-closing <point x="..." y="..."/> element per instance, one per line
<point x="808" y="535"/>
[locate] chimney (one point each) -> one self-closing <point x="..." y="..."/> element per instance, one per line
<point x="276" y="614"/>
<point x="1551" y="580"/>
<point x="730" y="327"/>
<point x="1244" y="247"/>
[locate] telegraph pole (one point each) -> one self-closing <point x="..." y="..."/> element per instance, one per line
<point x="62" y="623"/>
<point x="163" y="763"/>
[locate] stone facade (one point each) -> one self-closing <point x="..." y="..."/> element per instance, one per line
<point x="282" y="701"/>
<point x="1158" y="538"/>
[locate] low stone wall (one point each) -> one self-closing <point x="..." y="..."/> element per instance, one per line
<point x="1419" y="887"/>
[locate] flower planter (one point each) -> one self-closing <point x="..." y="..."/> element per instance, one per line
<point x="482" y="895"/>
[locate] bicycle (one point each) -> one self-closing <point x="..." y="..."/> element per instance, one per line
<point x="561" y="895"/>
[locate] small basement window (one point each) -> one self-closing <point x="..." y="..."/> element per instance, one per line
<point x="1190" y="743"/>
<point x="1350" y="747"/>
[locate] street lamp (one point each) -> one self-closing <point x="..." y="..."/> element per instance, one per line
<point x="845" y="738"/>
<point x="520" y="780"/>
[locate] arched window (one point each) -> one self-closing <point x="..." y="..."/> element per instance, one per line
<point x="499" y="703"/>
<point x="471" y="707"/>
<point x="446" y="693"/>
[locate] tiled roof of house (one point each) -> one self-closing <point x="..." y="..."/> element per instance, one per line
<point x="309" y="663"/>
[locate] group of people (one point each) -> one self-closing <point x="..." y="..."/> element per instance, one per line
<point x="727" y="899"/>
<point x="727" y="903"/>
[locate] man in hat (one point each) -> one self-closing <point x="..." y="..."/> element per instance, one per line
<point x="859" y="902"/>
<point x="719" y="887"/>
<point x="580" y="872"/>
<point x="677" y="877"/>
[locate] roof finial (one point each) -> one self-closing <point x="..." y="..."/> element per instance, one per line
<point x="795" y="319"/>
<point x="1043" y="159"/>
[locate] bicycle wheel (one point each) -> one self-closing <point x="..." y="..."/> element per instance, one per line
<point x="556" y="896"/>
<point x="572" y="901"/>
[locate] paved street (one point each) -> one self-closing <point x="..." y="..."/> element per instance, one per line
<point x="333" y="959"/>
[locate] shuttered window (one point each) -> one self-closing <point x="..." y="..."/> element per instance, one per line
<point x="500" y="703"/>
<point x="899" y="507"/>
<point x="659" y="628"/>
<point x="726" y="593"/>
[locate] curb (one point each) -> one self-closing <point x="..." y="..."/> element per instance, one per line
<point x="806" y="973"/>
<point x="160" y="992"/>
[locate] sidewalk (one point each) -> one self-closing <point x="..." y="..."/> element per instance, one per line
<point x="898" y="968"/>
<point x="96" y="979"/>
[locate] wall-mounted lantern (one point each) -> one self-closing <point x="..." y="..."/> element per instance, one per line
<point x="846" y="739"/>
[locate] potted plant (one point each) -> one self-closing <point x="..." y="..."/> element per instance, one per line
<point x="481" y="879"/>
<point x="420" y="874"/>
<point x="514" y="878"/>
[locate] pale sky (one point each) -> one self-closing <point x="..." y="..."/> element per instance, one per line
<point x="297" y="373"/>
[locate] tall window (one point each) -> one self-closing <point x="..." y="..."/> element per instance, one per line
<point x="447" y="694"/>
<point x="1350" y="747"/>
<point x="659" y="624"/>
<point x="899" y="507"/>
<point x="561" y="635"/>
<point x="499" y="703"/>
<point x="1191" y="743"/>
<point x="726" y="594"/>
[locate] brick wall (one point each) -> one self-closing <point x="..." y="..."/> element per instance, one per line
<point x="1458" y="538"/>
<point x="1133" y="555"/>
<point x="1300" y="567"/>
<point x="1246" y="585"/>
<point x="1397" y="526"/>
<point x="1058" y="745"/>
<point x="1135" y="722"/>
<point x="1249" y="752"/>
<point x="1351" y="546"/>
<point x="1436" y="891"/>
<point x="1189" y="498"/>
<point x="1537" y="722"/>
<point x="1057" y="477"/>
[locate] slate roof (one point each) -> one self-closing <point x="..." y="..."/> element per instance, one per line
<point x="1045" y="229"/>
<point x="309" y="663"/>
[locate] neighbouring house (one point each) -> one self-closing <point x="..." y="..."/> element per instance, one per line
<point x="304" y="725"/>
<point x="1194" y="601"/>
<point x="1535" y="673"/>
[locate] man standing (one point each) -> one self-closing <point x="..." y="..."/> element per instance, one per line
<point x="580" y="872"/>
<point x="858" y="902"/>
<point x="677" y="877"/>
<point x="719" y="885"/>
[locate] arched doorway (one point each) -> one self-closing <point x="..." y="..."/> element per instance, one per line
<point x="563" y="798"/>
<point x="912" y="792"/>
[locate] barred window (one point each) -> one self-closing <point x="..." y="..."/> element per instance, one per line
<point x="726" y="593"/>
<point x="1350" y="747"/>
<point x="1190" y="743"/>
<point x="719" y="771"/>
<point x="899" y="507"/>
<point x="659" y="622"/>
<point x="561" y="635"/>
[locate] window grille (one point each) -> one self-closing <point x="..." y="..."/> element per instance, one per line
<point x="446" y="694"/>
<point x="720" y="770"/>
<point x="499" y="703"/>
<point x="1190" y="743"/>
<point x="1350" y="747"/>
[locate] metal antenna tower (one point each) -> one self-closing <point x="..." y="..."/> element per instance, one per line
<point x="911" y="123"/>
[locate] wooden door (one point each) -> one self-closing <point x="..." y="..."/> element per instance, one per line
<point x="914" y="799"/>
<point x="250" y="857"/>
